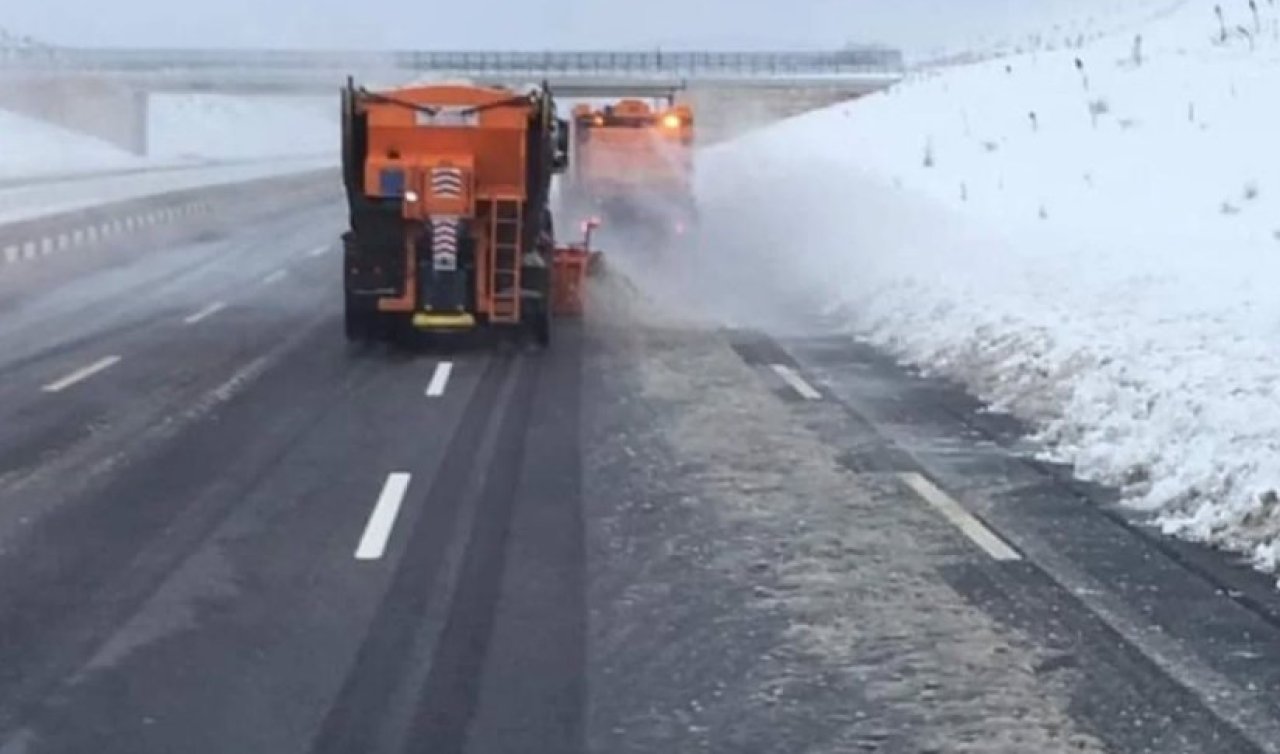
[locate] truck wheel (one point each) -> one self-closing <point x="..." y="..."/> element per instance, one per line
<point x="542" y="324"/>
<point x="545" y="313"/>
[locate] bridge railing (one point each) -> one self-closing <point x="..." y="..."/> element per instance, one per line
<point x="622" y="64"/>
<point x="14" y="48"/>
<point x="681" y="64"/>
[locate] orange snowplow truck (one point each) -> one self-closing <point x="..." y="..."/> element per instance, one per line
<point x="450" y="227"/>
<point x="633" y="165"/>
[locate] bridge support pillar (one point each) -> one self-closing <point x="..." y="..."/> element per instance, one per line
<point x="107" y="110"/>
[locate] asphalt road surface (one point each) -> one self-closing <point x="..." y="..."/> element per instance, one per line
<point x="224" y="529"/>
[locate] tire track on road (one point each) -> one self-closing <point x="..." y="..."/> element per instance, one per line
<point x="374" y="710"/>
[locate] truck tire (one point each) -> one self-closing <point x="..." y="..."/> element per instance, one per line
<point x="542" y="323"/>
<point x="542" y="308"/>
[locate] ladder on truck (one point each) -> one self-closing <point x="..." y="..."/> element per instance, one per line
<point x="505" y="231"/>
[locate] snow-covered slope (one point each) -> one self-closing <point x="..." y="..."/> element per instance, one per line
<point x="31" y="147"/>
<point x="1089" y="238"/>
<point x="182" y="130"/>
<point x="211" y="126"/>
<point x="980" y="30"/>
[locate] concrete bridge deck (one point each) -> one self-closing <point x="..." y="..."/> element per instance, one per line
<point x="105" y="91"/>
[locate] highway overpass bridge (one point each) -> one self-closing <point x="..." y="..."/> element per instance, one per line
<point x="105" y="91"/>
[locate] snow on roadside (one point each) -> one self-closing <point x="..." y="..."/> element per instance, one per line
<point x="26" y="201"/>
<point x="1087" y="238"/>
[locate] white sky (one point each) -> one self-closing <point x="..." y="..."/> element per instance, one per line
<point x="526" y="24"/>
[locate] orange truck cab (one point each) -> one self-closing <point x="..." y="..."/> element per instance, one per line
<point x="450" y="226"/>
<point x="633" y="165"/>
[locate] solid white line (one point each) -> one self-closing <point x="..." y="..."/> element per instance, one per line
<point x="962" y="519"/>
<point x="274" y="277"/>
<point x="81" y="374"/>
<point x="440" y="379"/>
<point x="205" y="313"/>
<point x="318" y="251"/>
<point x="376" y="533"/>
<point x="797" y="383"/>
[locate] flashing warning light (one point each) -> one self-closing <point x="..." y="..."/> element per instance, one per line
<point x="411" y="196"/>
<point x="671" y="120"/>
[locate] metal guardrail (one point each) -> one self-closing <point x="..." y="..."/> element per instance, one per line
<point x="682" y="64"/>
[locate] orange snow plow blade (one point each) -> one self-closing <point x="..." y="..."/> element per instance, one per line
<point x="570" y="277"/>
<point x="573" y="265"/>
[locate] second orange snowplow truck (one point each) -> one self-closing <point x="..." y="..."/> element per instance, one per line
<point x="633" y="166"/>
<point x="450" y="228"/>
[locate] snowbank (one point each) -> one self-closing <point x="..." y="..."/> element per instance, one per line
<point x="1092" y="245"/>
<point x="26" y="200"/>
<point x="210" y="126"/>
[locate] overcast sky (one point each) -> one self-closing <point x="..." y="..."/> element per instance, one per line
<point x="519" y="24"/>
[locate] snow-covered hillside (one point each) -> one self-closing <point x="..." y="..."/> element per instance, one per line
<point x="31" y="147"/>
<point x="211" y="126"/>
<point x="970" y="31"/>
<point x="182" y="129"/>
<point x="1087" y="237"/>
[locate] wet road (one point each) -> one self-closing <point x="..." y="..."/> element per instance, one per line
<point x="224" y="529"/>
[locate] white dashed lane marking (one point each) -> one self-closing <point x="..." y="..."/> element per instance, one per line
<point x="440" y="379"/>
<point x="205" y="313"/>
<point x="80" y="375"/>
<point x="797" y="383"/>
<point x="383" y="519"/>
<point x="962" y="519"/>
